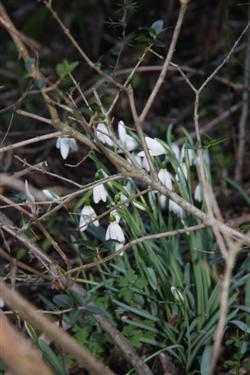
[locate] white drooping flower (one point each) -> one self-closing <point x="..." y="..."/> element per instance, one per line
<point x="115" y="232"/>
<point x="177" y="294"/>
<point x="103" y="134"/>
<point x="100" y="193"/>
<point x="145" y="164"/>
<point x="31" y="201"/>
<point x="30" y="196"/>
<point x="118" y="246"/>
<point x="175" y="149"/>
<point x="155" y="147"/>
<point x="123" y="199"/>
<point x="174" y="207"/>
<point x="66" y="146"/>
<point x="142" y="161"/>
<point x="165" y="178"/>
<point x="127" y="140"/>
<point x="197" y="193"/>
<point x="51" y="195"/>
<point x="163" y="201"/>
<point x="87" y="215"/>
<point x="187" y="153"/>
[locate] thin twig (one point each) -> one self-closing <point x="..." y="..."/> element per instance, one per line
<point x="40" y="138"/>
<point x="59" y="336"/>
<point x="91" y="64"/>
<point x="218" y="336"/>
<point x="140" y="367"/>
<point x="141" y="133"/>
<point x="244" y="112"/>
<point x="165" y="66"/>
<point x="18" y="353"/>
<point x="137" y="241"/>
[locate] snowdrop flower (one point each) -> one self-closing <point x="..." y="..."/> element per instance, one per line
<point x="118" y="246"/>
<point x="1" y="303"/>
<point x="50" y="195"/>
<point x="187" y="153"/>
<point x="174" y="207"/>
<point x="175" y="149"/>
<point x="197" y="193"/>
<point x="142" y="161"/>
<point x="102" y="134"/>
<point x="30" y="197"/>
<point x="31" y="201"/>
<point x="165" y="177"/>
<point x="66" y="145"/>
<point x="87" y="214"/>
<point x="163" y="201"/>
<point x="115" y="232"/>
<point x="127" y="140"/>
<point x="138" y="160"/>
<point x="155" y="147"/>
<point x="100" y="193"/>
<point x="145" y="164"/>
<point x="177" y="294"/>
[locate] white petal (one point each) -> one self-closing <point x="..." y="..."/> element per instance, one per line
<point x="127" y="140"/>
<point x="122" y="131"/>
<point x="165" y="178"/>
<point x="163" y="201"/>
<point x="155" y="147"/>
<point x="123" y="198"/>
<point x="115" y="232"/>
<point x="197" y="193"/>
<point x="145" y="164"/>
<point x="131" y="143"/>
<point x="64" y="148"/>
<point x="2" y="302"/>
<point x="141" y="154"/>
<point x="102" y="134"/>
<point x="58" y="142"/>
<point x="118" y="246"/>
<point x="99" y="193"/>
<point x="50" y="195"/>
<point x="174" y="207"/>
<point x="66" y="145"/>
<point x="175" y="150"/>
<point x="187" y="153"/>
<point x="28" y="193"/>
<point x="108" y="234"/>
<point x="86" y="216"/>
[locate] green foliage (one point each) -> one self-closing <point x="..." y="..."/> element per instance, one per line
<point x="239" y="347"/>
<point x="65" y="68"/>
<point x="91" y="339"/>
<point x="54" y="360"/>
